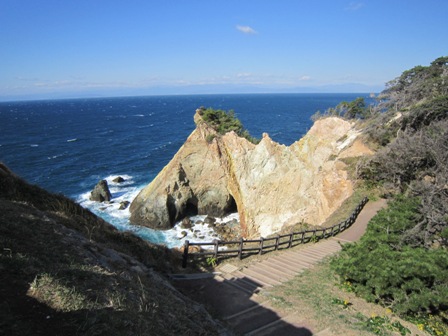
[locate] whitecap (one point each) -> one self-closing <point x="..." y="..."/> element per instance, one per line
<point x="34" y="145"/>
<point x="54" y="156"/>
<point x="72" y="140"/>
<point x="126" y="192"/>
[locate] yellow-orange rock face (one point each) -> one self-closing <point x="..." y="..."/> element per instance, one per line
<point x="269" y="184"/>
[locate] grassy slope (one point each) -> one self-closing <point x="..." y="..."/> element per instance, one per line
<point x="65" y="271"/>
<point x="316" y="296"/>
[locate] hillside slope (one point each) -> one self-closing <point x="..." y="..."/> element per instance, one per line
<point x="66" y="272"/>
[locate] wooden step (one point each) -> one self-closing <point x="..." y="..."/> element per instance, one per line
<point x="299" y="264"/>
<point x="252" y="320"/>
<point x="273" y="278"/>
<point x="251" y="278"/>
<point x="301" y="258"/>
<point x="317" y="254"/>
<point x="317" y="249"/>
<point x="280" y="327"/>
<point x="286" y="270"/>
<point x="293" y="267"/>
<point x="241" y="284"/>
<point x="311" y="259"/>
<point x="265" y="280"/>
<point x="274" y="268"/>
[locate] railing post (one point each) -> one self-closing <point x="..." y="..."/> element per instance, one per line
<point x="216" y="243"/>
<point x="290" y="240"/>
<point x="185" y="255"/>
<point x="276" y="242"/>
<point x="240" y="252"/>
<point x="261" y="246"/>
<point x="303" y="237"/>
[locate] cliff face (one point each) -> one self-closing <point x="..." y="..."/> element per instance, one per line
<point x="270" y="185"/>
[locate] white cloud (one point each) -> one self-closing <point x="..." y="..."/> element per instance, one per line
<point x="305" y="78"/>
<point x="354" y="6"/>
<point x="246" y="29"/>
<point x="244" y="75"/>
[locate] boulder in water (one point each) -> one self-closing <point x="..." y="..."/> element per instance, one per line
<point x="118" y="179"/>
<point x="101" y="192"/>
<point x="210" y="220"/>
<point x="124" y="205"/>
<point x="186" y="223"/>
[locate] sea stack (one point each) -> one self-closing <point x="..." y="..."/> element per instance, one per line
<point x="101" y="192"/>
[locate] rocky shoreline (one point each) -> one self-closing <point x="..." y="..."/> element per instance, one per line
<point x="223" y="230"/>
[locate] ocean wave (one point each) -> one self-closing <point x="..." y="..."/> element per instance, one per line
<point x="126" y="192"/>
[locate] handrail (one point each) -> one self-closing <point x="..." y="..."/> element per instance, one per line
<point x="303" y="238"/>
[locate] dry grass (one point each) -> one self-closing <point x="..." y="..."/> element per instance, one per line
<point x="65" y="271"/>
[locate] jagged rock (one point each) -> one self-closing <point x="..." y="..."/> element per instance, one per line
<point x="209" y="220"/>
<point x="124" y="205"/>
<point x="101" y="192"/>
<point x="182" y="234"/>
<point x="118" y="179"/>
<point x="186" y="223"/>
<point x="270" y="185"/>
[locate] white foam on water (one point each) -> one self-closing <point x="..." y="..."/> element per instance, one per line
<point x="200" y="232"/>
<point x="126" y="192"/>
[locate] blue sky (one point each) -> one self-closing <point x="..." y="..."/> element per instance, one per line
<point x="54" y="49"/>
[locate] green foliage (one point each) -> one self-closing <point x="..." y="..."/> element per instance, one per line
<point x="355" y="109"/>
<point x="343" y="303"/>
<point x="424" y="114"/>
<point x="209" y="138"/>
<point x="382" y="268"/>
<point x="433" y="325"/>
<point x="212" y="261"/>
<point x="417" y="84"/>
<point x="222" y="122"/>
<point x="381" y="325"/>
<point x="314" y="239"/>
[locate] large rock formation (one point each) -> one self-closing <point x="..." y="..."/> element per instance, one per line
<point x="270" y="185"/>
<point x="101" y="192"/>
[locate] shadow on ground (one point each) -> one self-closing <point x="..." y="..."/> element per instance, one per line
<point x="239" y="306"/>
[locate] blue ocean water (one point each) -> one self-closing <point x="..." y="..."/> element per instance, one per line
<point x="67" y="146"/>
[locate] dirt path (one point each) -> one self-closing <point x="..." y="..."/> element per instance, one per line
<point x="235" y="293"/>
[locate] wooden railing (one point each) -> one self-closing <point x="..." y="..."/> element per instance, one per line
<point x="238" y="248"/>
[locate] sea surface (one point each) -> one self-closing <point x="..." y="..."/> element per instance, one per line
<point x="67" y="146"/>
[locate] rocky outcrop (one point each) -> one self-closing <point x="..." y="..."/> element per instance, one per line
<point x="101" y="192"/>
<point x="269" y="184"/>
<point x="118" y="179"/>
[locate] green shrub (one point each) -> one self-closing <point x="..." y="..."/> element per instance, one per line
<point x="222" y="122"/>
<point x="382" y="268"/>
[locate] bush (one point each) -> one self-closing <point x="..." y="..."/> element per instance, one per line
<point x="384" y="269"/>
<point x="223" y="122"/>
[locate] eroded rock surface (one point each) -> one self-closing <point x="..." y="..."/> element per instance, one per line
<point x="101" y="192"/>
<point x="269" y="184"/>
